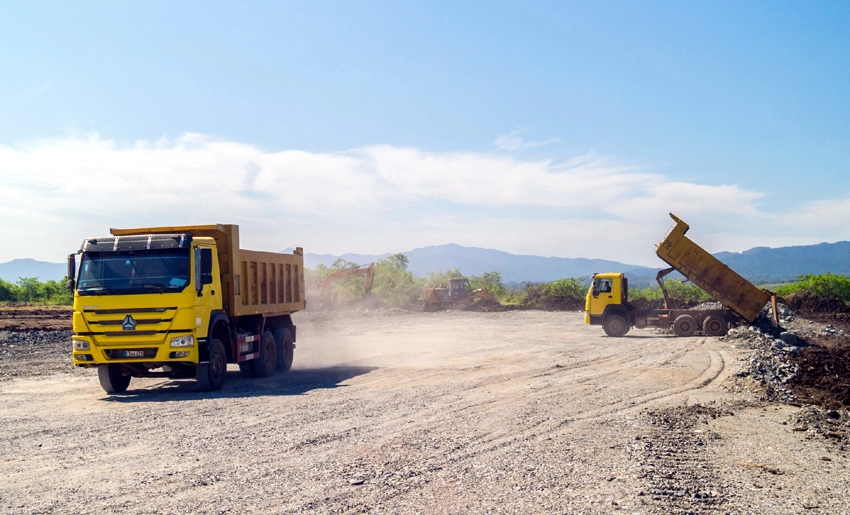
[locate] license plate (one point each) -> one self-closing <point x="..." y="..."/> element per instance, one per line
<point x="133" y="354"/>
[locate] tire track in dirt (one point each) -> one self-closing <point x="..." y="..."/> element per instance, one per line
<point x="480" y="447"/>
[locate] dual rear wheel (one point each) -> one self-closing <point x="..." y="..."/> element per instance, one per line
<point x="276" y="354"/>
<point x="713" y="325"/>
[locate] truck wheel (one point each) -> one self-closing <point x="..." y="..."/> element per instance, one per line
<point x="112" y="378"/>
<point x="285" y="349"/>
<point x="685" y="325"/>
<point x="615" y="325"/>
<point x="714" y="325"/>
<point x="211" y="375"/>
<point x="265" y="365"/>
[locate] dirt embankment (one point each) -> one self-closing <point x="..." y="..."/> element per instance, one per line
<point x="22" y="317"/>
<point x="824" y="377"/>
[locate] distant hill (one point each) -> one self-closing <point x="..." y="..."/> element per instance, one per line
<point x="476" y="261"/>
<point x="766" y="265"/>
<point x="17" y="268"/>
<point x="760" y="265"/>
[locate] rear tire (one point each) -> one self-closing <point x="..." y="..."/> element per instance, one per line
<point x="285" y="349"/>
<point x="211" y="374"/>
<point x="615" y="325"/>
<point x="685" y="325"/>
<point x="112" y="378"/>
<point x="265" y="365"/>
<point x="714" y="325"/>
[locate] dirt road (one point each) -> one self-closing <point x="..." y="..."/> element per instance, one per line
<point x="452" y="412"/>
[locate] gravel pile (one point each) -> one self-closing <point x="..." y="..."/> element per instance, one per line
<point x="823" y="423"/>
<point x="769" y="366"/>
<point x="34" y="353"/>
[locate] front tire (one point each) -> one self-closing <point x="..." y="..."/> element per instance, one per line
<point x="265" y="365"/>
<point x="112" y="378"/>
<point x="615" y="326"/>
<point x="211" y="374"/>
<point x="285" y="349"/>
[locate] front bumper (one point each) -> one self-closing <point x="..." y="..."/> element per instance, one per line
<point x="99" y="353"/>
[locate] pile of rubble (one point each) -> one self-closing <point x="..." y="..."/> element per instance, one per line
<point x="769" y="365"/>
<point x="824" y="423"/>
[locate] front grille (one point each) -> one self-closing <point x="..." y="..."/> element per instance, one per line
<point x="147" y="321"/>
<point x="132" y="333"/>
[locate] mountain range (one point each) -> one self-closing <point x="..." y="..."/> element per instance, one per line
<point x="760" y="265"/>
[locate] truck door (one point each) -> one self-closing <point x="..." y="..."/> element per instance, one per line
<point x="604" y="291"/>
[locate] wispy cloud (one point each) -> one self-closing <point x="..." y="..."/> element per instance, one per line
<point x="375" y="199"/>
<point x="514" y="141"/>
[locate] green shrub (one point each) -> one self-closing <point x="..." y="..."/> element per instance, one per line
<point x="394" y="284"/>
<point x="492" y="281"/>
<point x="827" y="286"/>
<point x="685" y="292"/>
<point x="566" y="288"/>
<point x="31" y="290"/>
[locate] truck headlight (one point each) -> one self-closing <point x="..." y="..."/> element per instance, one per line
<point x="183" y="341"/>
<point x="80" y="344"/>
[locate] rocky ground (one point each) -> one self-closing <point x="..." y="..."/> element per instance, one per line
<point x="391" y="411"/>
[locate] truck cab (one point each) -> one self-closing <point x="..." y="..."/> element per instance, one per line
<point x="140" y="299"/>
<point x="459" y="287"/>
<point x="606" y="303"/>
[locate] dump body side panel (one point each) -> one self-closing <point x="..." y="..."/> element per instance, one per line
<point x="252" y="282"/>
<point x="268" y="283"/>
<point x="707" y="272"/>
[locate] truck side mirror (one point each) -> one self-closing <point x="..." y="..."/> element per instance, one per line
<point x="71" y="272"/>
<point x="206" y="266"/>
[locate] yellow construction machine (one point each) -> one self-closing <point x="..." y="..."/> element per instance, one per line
<point x="457" y="295"/>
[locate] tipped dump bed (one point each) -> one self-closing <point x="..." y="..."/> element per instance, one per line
<point x="707" y="272"/>
<point x="254" y="282"/>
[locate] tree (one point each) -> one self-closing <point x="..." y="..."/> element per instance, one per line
<point x="29" y="289"/>
<point x="7" y="291"/>
<point x="492" y="281"/>
<point x="394" y="283"/>
<point x="350" y="288"/>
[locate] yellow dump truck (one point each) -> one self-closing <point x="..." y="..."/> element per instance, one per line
<point x="182" y="302"/>
<point x="607" y="302"/>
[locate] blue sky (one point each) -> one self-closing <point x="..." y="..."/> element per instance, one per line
<point x="550" y="128"/>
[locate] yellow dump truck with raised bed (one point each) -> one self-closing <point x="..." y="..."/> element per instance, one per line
<point x="182" y="302"/>
<point x="607" y="301"/>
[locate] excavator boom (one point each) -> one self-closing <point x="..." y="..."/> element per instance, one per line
<point x="322" y="294"/>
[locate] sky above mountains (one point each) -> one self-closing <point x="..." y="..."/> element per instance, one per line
<point x="559" y="129"/>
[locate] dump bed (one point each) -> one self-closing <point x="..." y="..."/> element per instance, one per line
<point x="707" y="272"/>
<point x="253" y="282"/>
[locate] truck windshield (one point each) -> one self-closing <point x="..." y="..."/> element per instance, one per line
<point x="132" y="272"/>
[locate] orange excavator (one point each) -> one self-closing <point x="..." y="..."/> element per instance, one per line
<point x="324" y="295"/>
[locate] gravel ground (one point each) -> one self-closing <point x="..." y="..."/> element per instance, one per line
<point x="398" y="412"/>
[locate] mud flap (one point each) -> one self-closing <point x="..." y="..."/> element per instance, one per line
<point x="203" y="350"/>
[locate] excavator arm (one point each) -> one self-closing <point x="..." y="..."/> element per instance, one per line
<point x="323" y="292"/>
